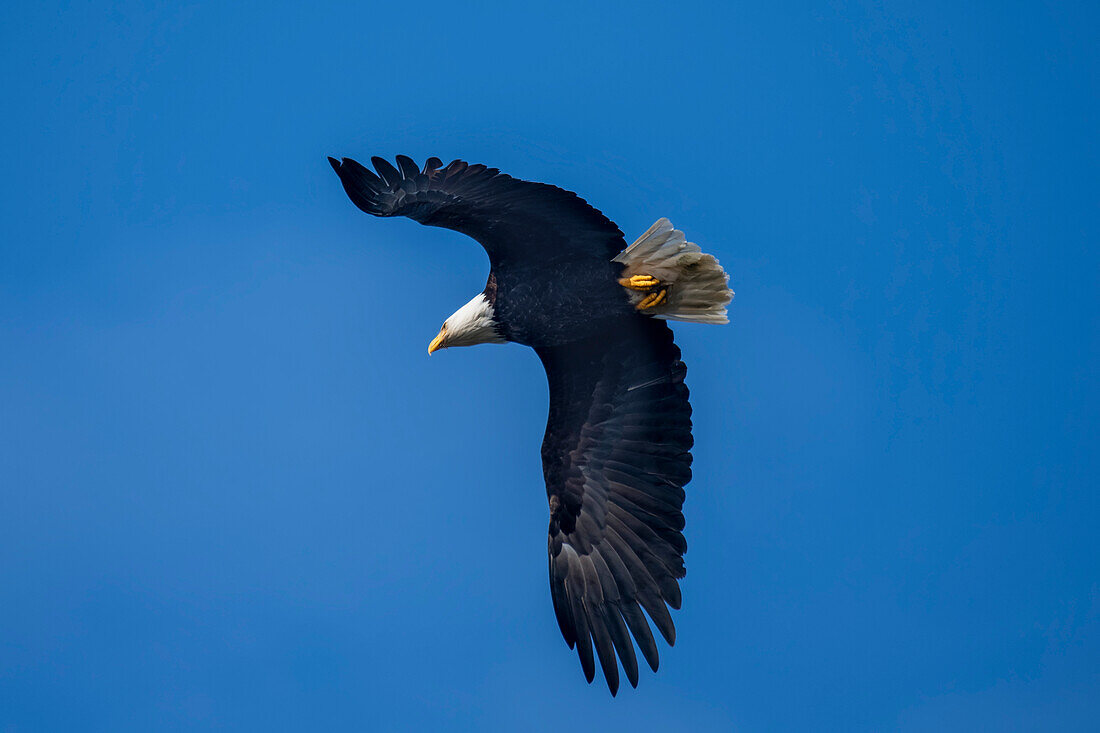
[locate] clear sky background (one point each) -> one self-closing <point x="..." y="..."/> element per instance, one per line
<point x="236" y="494"/>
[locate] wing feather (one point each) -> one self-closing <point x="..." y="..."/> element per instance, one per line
<point x="409" y="170"/>
<point x="385" y="169"/>
<point x="514" y="220"/>
<point x="616" y="457"/>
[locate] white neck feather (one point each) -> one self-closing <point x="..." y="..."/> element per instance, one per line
<point x="473" y="323"/>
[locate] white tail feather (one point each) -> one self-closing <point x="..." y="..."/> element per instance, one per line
<point x="697" y="286"/>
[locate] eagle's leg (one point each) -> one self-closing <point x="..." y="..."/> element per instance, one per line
<point x="653" y="299"/>
<point x="640" y="282"/>
<point x="655" y="294"/>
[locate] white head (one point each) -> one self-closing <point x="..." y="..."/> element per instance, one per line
<point x="473" y="323"/>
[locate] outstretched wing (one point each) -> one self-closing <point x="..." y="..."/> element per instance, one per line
<point x="616" y="457"/>
<point x="516" y="221"/>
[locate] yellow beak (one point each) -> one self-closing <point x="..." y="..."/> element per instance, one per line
<point x="437" y="342"/>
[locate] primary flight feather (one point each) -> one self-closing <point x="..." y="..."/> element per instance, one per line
<point x="617" y="451"/>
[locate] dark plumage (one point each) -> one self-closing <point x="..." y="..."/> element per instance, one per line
<point x="616" y="458"/>
<point x="616" y="454"/>
<point x="549" y="251"/>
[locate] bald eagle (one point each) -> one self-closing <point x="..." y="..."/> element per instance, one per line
<point x="616" y="453"/>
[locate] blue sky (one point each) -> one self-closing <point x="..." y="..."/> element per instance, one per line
<point x="235" y="493"/>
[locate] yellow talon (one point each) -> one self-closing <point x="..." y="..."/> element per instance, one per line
<point x="639" y="282"/>
<point x="653" y="299"/>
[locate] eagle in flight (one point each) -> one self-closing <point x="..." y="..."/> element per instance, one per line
<point x="617" y="450"/>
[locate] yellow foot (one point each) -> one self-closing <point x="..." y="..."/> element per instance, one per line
<point x="653" y="299"/>
<point x="639" y="282"/>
